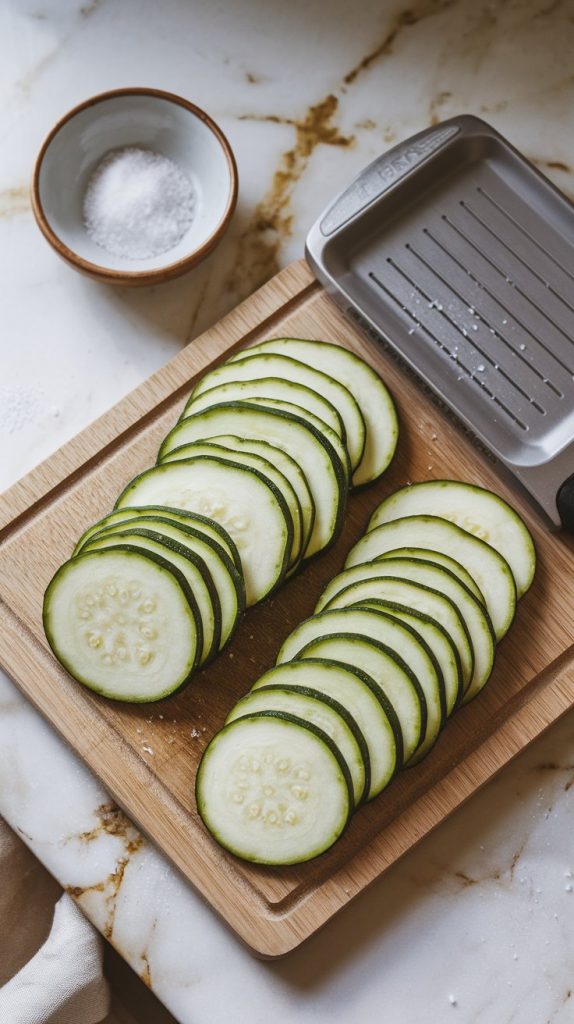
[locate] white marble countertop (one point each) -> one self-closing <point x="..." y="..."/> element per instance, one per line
<point x="476" y="924"/>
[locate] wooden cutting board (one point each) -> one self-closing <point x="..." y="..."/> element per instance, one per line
<point x="147" y="756"/>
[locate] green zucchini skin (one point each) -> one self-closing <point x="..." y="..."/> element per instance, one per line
<point x="442" y="561"/>
<point x="298" y="696"/>
<point x="489" y="569"/>
<point x="275" y="389"/>
<point x="404" y="672"/>
<point x="474" y="509"/>
<point x="209" y="448"/>
<point x="177" y="478"/>
<point x="190" y="537"/>
<point x="399" y="636"/>
<point x="257" y="421"/>
<point x="330" y="435"/>
<point x="426" y="598"/>
<point x="286" y="464"/>
<point x="138" y="538"/>
<point x="253" y="366"/>
<point x="188" y="600"/>
<point x="405" y="615"/>
<point x="474" y="616"/>
<point x="256" y="851"/>
<point x="191" y="520"/>
<point x="365" y="385"/>
<point x="381" y="710"/>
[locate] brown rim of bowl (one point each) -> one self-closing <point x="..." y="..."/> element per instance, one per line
<point x="135" y="276"/>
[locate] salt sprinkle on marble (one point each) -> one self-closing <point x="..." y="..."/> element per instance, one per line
<point x="138" y="204"/>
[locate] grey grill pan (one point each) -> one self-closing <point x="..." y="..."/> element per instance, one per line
<point x="459" y="256"/>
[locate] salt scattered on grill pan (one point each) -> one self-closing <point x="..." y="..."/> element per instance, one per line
<point x="138" y="204"/>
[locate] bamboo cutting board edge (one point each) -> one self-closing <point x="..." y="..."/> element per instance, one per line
<point x="271" y="929"/>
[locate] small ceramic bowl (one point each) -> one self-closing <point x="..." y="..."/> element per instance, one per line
<point x="148" y="119"/>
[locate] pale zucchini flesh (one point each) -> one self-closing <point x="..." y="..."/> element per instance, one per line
<point x="286" y="464"/>
<point x="475" y="617"/>
<point x="389" y="671"/>
<point x="488" y="568"/>
<point x="438" y="558"/>
<point x="409" y="648"/>
<point x="211" y="448"/>
<point x="325" y="712"/>
<point x="480" y="512"/>
<point x="192" y="567"/>
<point x="273" y="789"/>
<point x="320" y="425"/>
<point x="436" y="638"/>
<point x="250" y="366"/>
<point x="365" y="385"/>
<point x="420" y="598"/>
<point x="227" y="580"/>
<point x="274" y="389"/>
<point x="124" y="623"/>
<point x="245" y="502"/>
<point x="303" y="442"/>
<point x="210" y="527"/>
<point x="364" y="701"/>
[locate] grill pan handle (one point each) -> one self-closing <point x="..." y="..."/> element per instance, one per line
<point x="565" y="503"/>
<point x="393" y="166"/>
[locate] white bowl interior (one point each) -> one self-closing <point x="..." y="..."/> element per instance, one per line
<point x="150" y="122"/>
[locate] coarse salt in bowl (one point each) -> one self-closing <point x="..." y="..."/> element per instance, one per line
<point x="180" y="184"/>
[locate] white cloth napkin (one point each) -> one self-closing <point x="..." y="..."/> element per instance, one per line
<point x="63" y="983"/>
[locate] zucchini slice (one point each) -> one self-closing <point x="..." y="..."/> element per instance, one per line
<point x="401" y="641"/>
<point x="360" y="379"/>
<point x="434" y="636"/>
<point x="227" y="580"/>
<point x="437" y="558"/>
<point x="210" y="527"/>
<point x="487" y="567"/>
<point x="377" y="623"/>
<point x="248" y="366"/>
<point x="124" y="623"/>
<point x="474" y="509"/>
<point x="325" y="712"/>
<point x="474" y="615"/>
<point x="414" y="596"/>
<point x="303" y="442"/>
<point x="401" y="689"/>
<point x="274" y="789"/>
<point x="331" y="435"/>
<point x="285" y="464"/>
<point x="364" y="701"/>
<point x="269" y="388"/>
<point x="191" y="565"/>
<point x="210" y="448"/>
<point x="246" y="502"/>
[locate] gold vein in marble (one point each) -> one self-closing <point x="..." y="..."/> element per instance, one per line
<point x="402" y="20"/>
<point x="270" y="224"/>
<point x="110" y="821"/>
<point x="14" y="201"/>
<point x="497" y="875"/>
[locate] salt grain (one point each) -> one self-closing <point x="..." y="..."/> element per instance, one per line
<point x="138" y="204"/>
